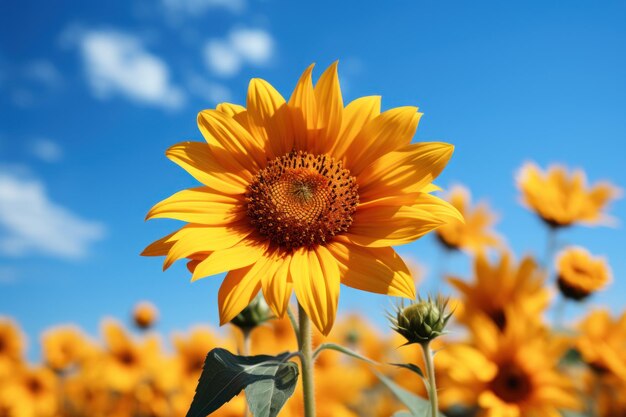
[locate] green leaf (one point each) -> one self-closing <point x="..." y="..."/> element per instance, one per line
<point x="411" y="367"/>
<point x="404" y="414"/>
<point x="418" y="406"/>
<point x="266" y="397"/>
<point x="344" y="350"/>
<point x="224" y="375"/>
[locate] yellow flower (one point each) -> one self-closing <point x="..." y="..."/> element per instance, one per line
<point x="562" y="199"/>
<point x="126" y="361"/>
<point x="475" y="234"/>
<point x="12" y="344"/>
<point x="502" y="286"/>
<point x="15" y="401"/>
<point x="40" y="386"/>
<point x="145" y="314"/>
<point x="193" y="348"/>
<point x="507" y="374"/>
<point x="63" y="347"/>
<point x="580" y="274"/>
<point x="302" y="196"/>
<point x="602" y="343"/>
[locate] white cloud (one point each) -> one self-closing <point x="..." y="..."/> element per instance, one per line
<point x="44" y="72"/>
<point x="194" y="8"/>
<point x="117" y="63"/>
<point x="207" y="90"/>
<point x="46" y="150"/>
<point x="242" y="46"/>
<point x="8" y="275"/>
<point x="30" y="223"/>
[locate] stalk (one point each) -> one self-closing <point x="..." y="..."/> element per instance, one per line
<point x="430" y="374"/>
<point x="306" y="351"/>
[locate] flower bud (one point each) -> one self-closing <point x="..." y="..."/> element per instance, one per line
<point x="256" y="313"/>
<point x="422" y="321"/>
<point x="145" y="315"/>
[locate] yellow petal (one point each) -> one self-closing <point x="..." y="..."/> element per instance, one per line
<point x="269" y="118"/>
<point x="315" y="276"/>
<point x="194" y="239"/>
<point x="228" y="139"/>
<point x="277" y="287"/>
<point x="329" y="108"/>
<point x="196" y="158"/>
<point x="230" y="109"/>
<point x="159" y="247"/>
<point x="239" y="288"/>
<point x="304" y="109"/>
<point x="377" y="270"/>
<point x="388" y="222"/>
<point x="243" y="254"/>
<point x="409" y="169"/>
<point x="385" y="133"/>
<point x="356" y="115"/>
<point x="200" y="205"/>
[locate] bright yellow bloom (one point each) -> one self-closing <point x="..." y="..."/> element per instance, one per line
<point x="562" y="199"/>
<point x="475" y="234"/>
<point x="502" y="286"/>
<point x="145" y="314"/>
<point x="302" y="196"/>
<point x="580" y="274"/>
<point x="40" y="386"/>
<point x="507" y="374"/>
<point x="15" y="401"/>
<point x="126" y="361"/>
<point x="192" y="349"/>
<point x="602" y="343"/>
<point x="12" y="345"/>
<point x="63" y="347"/>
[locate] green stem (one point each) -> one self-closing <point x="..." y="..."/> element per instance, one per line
<point x="306" y="349"/>
<point x="430" y="374"/>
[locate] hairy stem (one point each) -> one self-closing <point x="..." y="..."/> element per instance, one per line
<point x="306" y="350"/>
<point x="430" y="374"/>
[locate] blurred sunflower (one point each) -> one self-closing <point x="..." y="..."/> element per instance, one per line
<point x="12" y="344"/>
<point x="562" y="199"/>
<point x="126" y="361"/>
<point x="475" y="234"/>
<point x="145" y="315"/>
<point x="15" y="401"/>
<point x="501" y="286"/>
<point x="63" y="347"/>
<point x="507" y="374"/>
<point x="40" y="388"/>
<point x="602" y="343"/>
<point x="302" y="196"/>
<point x="192" y="349"/>
<point x="580" y="274"/>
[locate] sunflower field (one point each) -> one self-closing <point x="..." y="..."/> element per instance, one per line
<point x="236" y="208"/>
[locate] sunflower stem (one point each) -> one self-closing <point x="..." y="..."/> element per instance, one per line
<point x="306" y="350"/>
<point x="430" y="375"/>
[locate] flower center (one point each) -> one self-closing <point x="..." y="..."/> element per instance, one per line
<point x="300" y="199"/>
<point x="511" y="384"/>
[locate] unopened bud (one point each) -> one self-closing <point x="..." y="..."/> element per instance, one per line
<point x="255" y="314"/>
<point x="422" y="321"/>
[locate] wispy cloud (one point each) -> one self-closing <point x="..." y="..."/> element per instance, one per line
<point x="30" y="223"/>
<point x="194" y="8"/>
<point x="46" y="150"/>
<point x="116" y="63"/>
<point x="209" y="91"/>
<point x="226" y="57"/>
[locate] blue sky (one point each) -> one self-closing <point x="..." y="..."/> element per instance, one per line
<point x="92" y="93"/>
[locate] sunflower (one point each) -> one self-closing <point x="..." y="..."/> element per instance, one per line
<point x="561" y="199"/>
<point x="302" y="196"/>
<point x="63" y="347"/>
<point x="145" y="315"/>
<point x="12" y="344"/>
<point x="602" y="343"/>
<point x="501" y="286"/>
<point x="475" y="234"/>
<point x="40" y="386"/>
<point x="507" y="374"/>
<point x="580" y="274"/>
